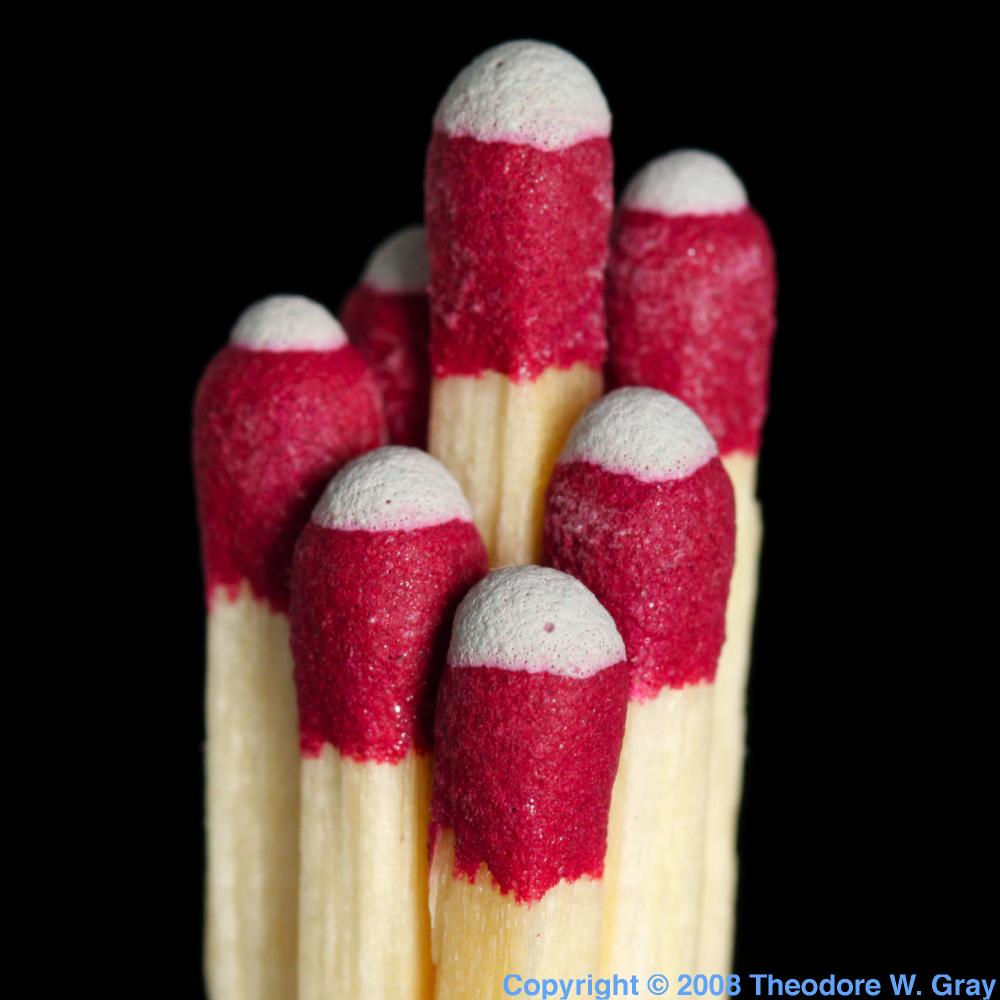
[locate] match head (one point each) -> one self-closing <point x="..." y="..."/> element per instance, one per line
<point x="278" y="411"/>
<point x="399" y="263"/>
<point x="640" y="509"/>
<point x="686" y="182"/>
<point x="643" y="433"/>
<point x="528" y="729"/>
<point x="534" y="620"/>
<point x="378" y="572"/>
<point x="287" y="323"/>
<point x="526" y="93"/>
<point x="392" y="489"/>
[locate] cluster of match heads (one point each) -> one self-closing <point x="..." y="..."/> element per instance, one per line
<point x="320" y="505"/>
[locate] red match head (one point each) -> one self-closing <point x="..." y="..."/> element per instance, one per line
<point x="380" y="567"/>
<point x="530" y="719"/>
<point x="691" y="290"/>
<point x="641" y="510"/>
<point x="387" y="317"/>
<point x="518" y="205"/>
<point x="277" y="412"/>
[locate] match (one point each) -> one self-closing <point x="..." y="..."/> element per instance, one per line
<point x="278" y="411"/>
<point x="529" y="725"/>
<point x="378" y="572"/>
<point x="518" y="200"/>
<point x="691" y="303"/>
<point x="641" y="511"/>
<point x="387" y="317"/>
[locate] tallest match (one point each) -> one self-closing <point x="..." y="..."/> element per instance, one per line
<point x="518" y="208"/>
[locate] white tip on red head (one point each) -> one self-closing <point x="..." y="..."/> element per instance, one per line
<point x="287" y="323"/>
<point x="399" y="263"/>
<point x="528" y="93"/>
<point x="642" y="432"/>
<point x="391" y="489"/>
<point x="535" y="620"/>
<point x="686" y="182"/>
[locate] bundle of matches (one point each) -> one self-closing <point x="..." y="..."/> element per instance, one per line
<point x="529" y="727"/>
<point x="641" y="510"/>
<point x="691" y="290"/>
<point x="278" y="411"/>
<point x="378" y="572"/>
<point x="528" y="771"/>
<point x="518" y="208"/>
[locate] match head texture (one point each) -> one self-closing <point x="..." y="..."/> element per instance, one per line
<point x="399" y="263"/>
<point x="527" y="93"/>
<point x="287" y="323"/>
<point x="641" y="432"/>
<point x="686" y="182"/>
<point x="391" y="489"/>
<point x="535" y="620"/>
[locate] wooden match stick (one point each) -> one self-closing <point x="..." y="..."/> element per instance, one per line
<point x="518" y="200"/>
<point x="641" y="510"/>
<point x="278" y="411"/>
<point x="378" y="573"/>
<point x="691" y="290"/>
<point x="528" y="731"/>
<point x="387" y="317"/>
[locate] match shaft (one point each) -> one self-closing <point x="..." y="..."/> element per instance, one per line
<point x="691" y="299"/>
<point x="528" y="732"/>
<point x="278" y="410"/>
<point x="517" y="198"/>
<point x="388" y="553"/>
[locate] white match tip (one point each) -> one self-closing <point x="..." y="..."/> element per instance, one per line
<point x="399" y="263"/>
<point x="536" y="620"/>
<point x="642" y="432"/>
<point x="686" y="182"/>
<point x="528" y="93"/>
<point x="287" y="323"/>
<point x="391" y="489"/>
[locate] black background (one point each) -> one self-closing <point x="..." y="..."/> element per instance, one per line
<point x="273" y="158"/>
